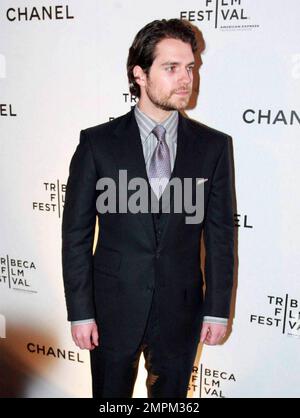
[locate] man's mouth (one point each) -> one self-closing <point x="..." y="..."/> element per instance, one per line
<point x="182" y="92"/>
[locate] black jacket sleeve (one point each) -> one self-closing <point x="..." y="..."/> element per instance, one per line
<point x="219" y="238"/>
<point x="78" y="228"/>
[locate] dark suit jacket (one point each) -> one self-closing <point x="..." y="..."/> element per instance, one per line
<point x="115" y="285"/>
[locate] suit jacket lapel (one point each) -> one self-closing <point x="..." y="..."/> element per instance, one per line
<point x="128" y="152"/>
<point x="178" y="170"/>
<point x="187" y="153"/>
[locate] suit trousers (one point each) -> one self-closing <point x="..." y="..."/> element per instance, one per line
<point x="114" y="373"/>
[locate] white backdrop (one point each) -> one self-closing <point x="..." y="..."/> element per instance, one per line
<point x="62" y="74"/>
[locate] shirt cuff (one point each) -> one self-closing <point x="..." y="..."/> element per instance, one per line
<point x="83" y="321"/>
<point x="215" y="320"/>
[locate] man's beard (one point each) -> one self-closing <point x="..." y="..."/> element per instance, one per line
<point x="164" y="103"/>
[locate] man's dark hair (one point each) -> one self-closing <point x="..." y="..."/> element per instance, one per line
<point x="142" y="49"/>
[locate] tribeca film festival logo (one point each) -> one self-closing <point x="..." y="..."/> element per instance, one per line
<point x="223" y="14"/>
<point x="285" y="315"/>
<point x="17" y="274"/>
<point x="138" y="202"/>
<point x="55" y="192"/>
<point x="209" y="383"/>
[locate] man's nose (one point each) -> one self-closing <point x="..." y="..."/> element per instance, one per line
<point x="186" y="75"/>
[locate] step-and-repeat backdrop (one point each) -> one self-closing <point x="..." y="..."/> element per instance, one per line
<point x="63" y="69"/>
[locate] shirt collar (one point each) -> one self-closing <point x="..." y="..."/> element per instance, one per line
<point x="146" y="124"/>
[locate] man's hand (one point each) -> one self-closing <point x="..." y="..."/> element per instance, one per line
<point x="212" y="334"/>
<point x="85" y="336"/>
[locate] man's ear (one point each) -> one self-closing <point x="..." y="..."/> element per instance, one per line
<point x="139" y="75"/>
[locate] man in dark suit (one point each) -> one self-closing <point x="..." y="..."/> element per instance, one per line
<point x="141" y="290"/>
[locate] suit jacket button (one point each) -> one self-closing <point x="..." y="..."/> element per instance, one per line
<point x="157" y="254"/>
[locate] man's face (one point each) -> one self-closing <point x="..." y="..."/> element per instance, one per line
<point x="170" y="79"/>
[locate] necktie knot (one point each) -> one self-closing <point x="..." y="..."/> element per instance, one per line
<point x="160" y="132"/>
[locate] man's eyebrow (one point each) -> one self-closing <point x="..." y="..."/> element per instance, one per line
<point x="176" y="63"/>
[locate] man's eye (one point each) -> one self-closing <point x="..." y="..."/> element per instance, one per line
<point x="170" y="68"/>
